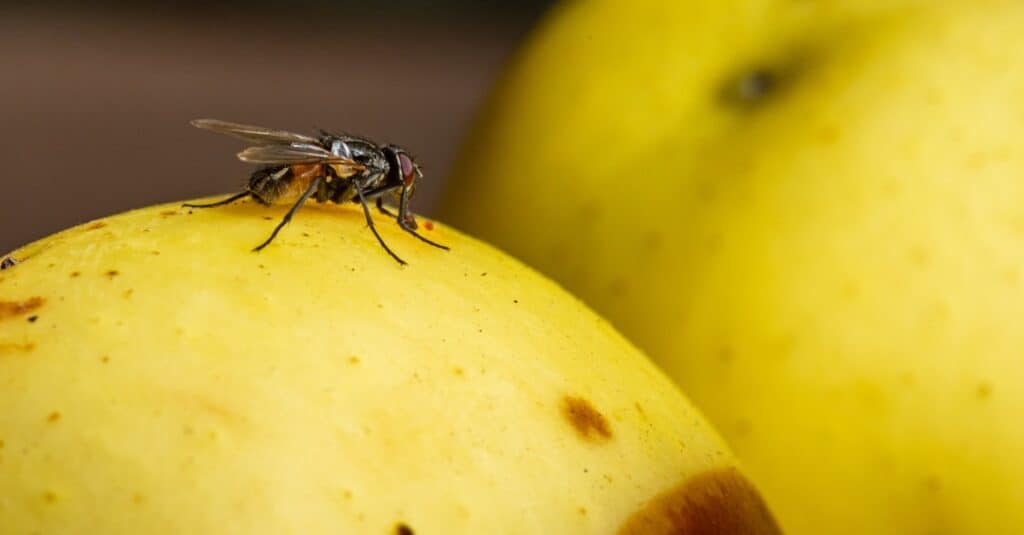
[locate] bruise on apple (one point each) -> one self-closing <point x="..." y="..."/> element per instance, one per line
<point x="12" y="309"/>
<point x="717" y="502"/>
<point x="589" y="424"/>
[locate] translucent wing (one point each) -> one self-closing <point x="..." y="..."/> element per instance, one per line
<point x="295" y="153"/>
<point x="256" y="134"/>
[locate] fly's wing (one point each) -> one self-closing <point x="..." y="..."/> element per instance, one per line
<point x="294" y="154"/>
<point x="257" y="134"/>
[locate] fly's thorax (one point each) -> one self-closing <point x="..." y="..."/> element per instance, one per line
<point x="341" y="170"/>
<point x="339" y="148"/>
<point x="366" y="153"/>
<point x="352" y="148"/>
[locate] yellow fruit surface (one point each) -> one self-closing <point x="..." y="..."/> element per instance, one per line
<point x="810" y="214"/>
<point x="156" y="376"/>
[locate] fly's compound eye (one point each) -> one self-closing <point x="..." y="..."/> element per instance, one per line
<point x="408" y="168"/>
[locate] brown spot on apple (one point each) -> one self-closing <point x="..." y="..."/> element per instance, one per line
<point x="589" y="424"/>
<point x="984" y="390"/>
<point x="13" y="309"/>
<point x="717" y="502"/>
<point x="11" y="347"/>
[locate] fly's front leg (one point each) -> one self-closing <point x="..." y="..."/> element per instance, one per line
<point x="408" y="224"/>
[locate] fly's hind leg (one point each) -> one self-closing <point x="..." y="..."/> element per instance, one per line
<point x="229" y="200"/>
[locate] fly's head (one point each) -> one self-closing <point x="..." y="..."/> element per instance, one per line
<point x="403" y="172"/>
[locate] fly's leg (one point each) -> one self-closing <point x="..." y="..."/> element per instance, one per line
<point x="229" y="200"/>
<point x="408" y="224"/>
<point x="380" y="207"/>
<point x="369" y="222"/>
<point x="323" y="190"/>
<point x="259" y="199"/>
<point x="378" y="196"/>
<point x="288" y="217"/>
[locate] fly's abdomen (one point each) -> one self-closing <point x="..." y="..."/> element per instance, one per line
<point x="265" y="183"/>
<point x="283" y="184"/>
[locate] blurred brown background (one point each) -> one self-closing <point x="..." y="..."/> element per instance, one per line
<point x="95" y="101"/>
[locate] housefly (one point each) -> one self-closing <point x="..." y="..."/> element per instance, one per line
<point x="330" y="167"/>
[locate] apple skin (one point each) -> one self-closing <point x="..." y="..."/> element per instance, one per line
<point x="811" y="216"/>
<point x="159" y="377"/>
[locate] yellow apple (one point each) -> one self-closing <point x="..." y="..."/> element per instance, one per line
<point x="158" y="377"/>
<point x="810" y="214"/>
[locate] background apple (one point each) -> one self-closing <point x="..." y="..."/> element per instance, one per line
<point x="810" y="214"/>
